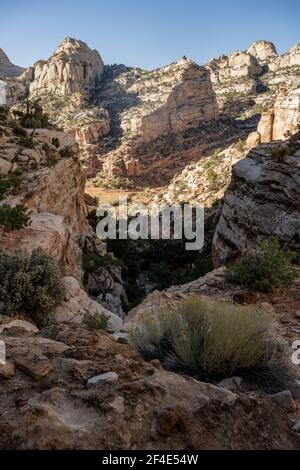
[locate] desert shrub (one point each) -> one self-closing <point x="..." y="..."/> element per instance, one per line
<point x="55" y="142"/>
<point x="215" y="340"/>
<point x="30" y="284"/>
<point x="267" y="268"/>
<point x="98" y="321"/>
<point x="51" y="160"/>
<point x="4" y="187"/>
<point x="26" y="142"/>
<point x="14" y="218"/>
<point x="92" y="262"/>
<point x="50" y="154"/>
<point x="66" y="152"/>
<point x="212" y="178"/>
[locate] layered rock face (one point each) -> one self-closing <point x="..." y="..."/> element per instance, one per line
<point x="73" y="68"/>
<point x="7" y="69"/>
<point x="261" y="201"/>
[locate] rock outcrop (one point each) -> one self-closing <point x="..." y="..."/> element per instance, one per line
<point x="52" y="187"/>
<point x="261" y="201"/>
<point x="47" y="401"/>
<point x="7" y="69"/>
<point x="73" y="68"/>
<point x="173" y="108"/>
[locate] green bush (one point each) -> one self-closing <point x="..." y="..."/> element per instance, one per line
<point x="30" y="284"/>
<point x="267" y="269"/>
<point x="95" y="322"/>
<point x="10" y="182"/>
<point x="280" y="153"/>
<point x="14" y="218"/>
<point x="51" y="154"/>
<point x="215" y="340"/>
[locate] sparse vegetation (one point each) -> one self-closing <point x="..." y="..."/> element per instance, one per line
<point x="33" y="117"/>
<point x="266" y="269"/>
<point x="30" y="284"/>
<point x="14" y="218"/>
<point x="66" y="152"/>
<point x="213" y="340"/>
<point x="95" y="322"/>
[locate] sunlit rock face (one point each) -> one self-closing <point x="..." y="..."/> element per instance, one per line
<point x="7" y="69"/>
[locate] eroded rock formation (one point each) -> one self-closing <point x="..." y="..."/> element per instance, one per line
<point x="7" y="69"/>
<point x="47" y="401"/>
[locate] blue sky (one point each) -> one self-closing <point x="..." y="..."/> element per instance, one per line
<point x="146" y="33"/>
